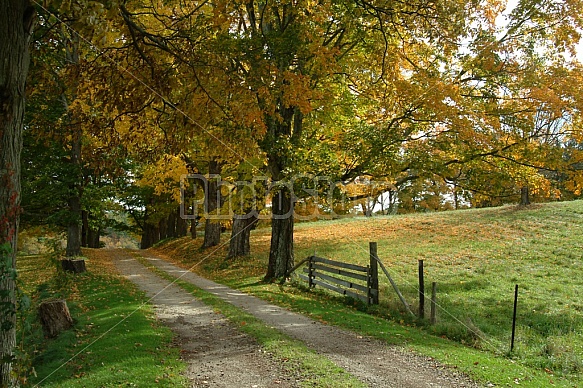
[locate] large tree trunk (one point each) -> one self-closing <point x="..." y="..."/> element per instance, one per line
<point x="74" y="200"/>
<point x="74" y="226"/>
<point x="16" y="20"/>
<point x="212" y="233"/>
<point x="213" y="202"/>
<point x="240" y="234"/>
<point x="281" y="253"/>
<point x="75" y="186"/>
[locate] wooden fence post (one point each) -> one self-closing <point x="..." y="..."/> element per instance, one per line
<point x="374" y="274"/>
<point x="393" y="284"/>
<point x="433" y="303"/>
<point x="311" y="272"/>
<point x="514" y="318"/>
<point x="421" y="291"/>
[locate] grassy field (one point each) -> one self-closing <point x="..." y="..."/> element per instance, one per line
<point x="475" y="256"/>
<point x="115" y="340"/>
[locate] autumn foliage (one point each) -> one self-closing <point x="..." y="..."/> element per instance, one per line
<point x="441" y="104"/>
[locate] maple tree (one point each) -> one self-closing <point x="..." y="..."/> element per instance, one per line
<point x="288" y="60"/>
<point x="489" y="113"/>
<point x="63" y="119"/>
<point x="246" y="202"/>
<point x="208" y="125"/>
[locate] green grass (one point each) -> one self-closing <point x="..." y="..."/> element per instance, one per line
<point x="115" y="340"/>
<point x="313" y="370"/>
<point x="475" y="256"/>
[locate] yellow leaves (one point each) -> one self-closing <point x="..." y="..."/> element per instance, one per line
<point x="366" y="187"/>
<point x="574" y="181"/>
<point x="553" y="103"/>
<point x="575" y="184"/>
<point x="493" y="9"/>
<point x="325" y="61"/>
<point x="577" y="133"/>
<point x="220" y="15"/>
<point x="297" y="91"/>
<point x="80" y="106"/>
<point x="164" y="176"/>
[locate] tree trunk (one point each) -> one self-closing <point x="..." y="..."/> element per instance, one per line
<point x="193" y="228"/>
<point x="16" y="21"/>
<point x="524" y="196"/>
<point x="145" y="241"/>
<point x="55" y="317"/>
<point x="74" y="266"/>
<point x="163" y="230"/>
<point x="75" y="186"/>
<point x="84" y="228"/>
<point x="150" y="236"/>
<point x="240" y="234"/>
<point x="213" y="202"/>
<point x="74" y="226"/>
<point x="212" y="233"/>
<point x="392" y="196"/>
<point x="181" y="227"/>
<point x="93" y="236"/>
<point x="171" y="225"/>
<point x="281" y="255"/>
<point x="456" y="200"/>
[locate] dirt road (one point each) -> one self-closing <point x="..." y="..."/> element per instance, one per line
<point x="221" y="356"/>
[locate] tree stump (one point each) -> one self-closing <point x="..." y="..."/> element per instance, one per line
<point x="55" y="317"/>
<point x="75" y="266"/>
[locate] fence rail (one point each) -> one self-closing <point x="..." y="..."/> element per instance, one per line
<point x="357" y="281"/>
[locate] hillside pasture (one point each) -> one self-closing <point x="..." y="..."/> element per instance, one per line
<point x="475" y="256"/>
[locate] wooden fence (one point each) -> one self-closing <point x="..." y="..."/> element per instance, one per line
<point x="352" y="280"/>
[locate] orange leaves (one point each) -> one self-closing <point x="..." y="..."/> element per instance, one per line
<point x="493" y="9"/>
<point x="297" y="91"/>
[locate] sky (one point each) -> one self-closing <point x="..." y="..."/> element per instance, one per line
<point x="511" y="4"/>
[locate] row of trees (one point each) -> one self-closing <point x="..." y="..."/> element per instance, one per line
<point x="125" y="97"/>
<point x="435" y="99"/>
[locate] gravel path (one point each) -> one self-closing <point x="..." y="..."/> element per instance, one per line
<point x="370" y="360"/>
<point x="217" y="353"/>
